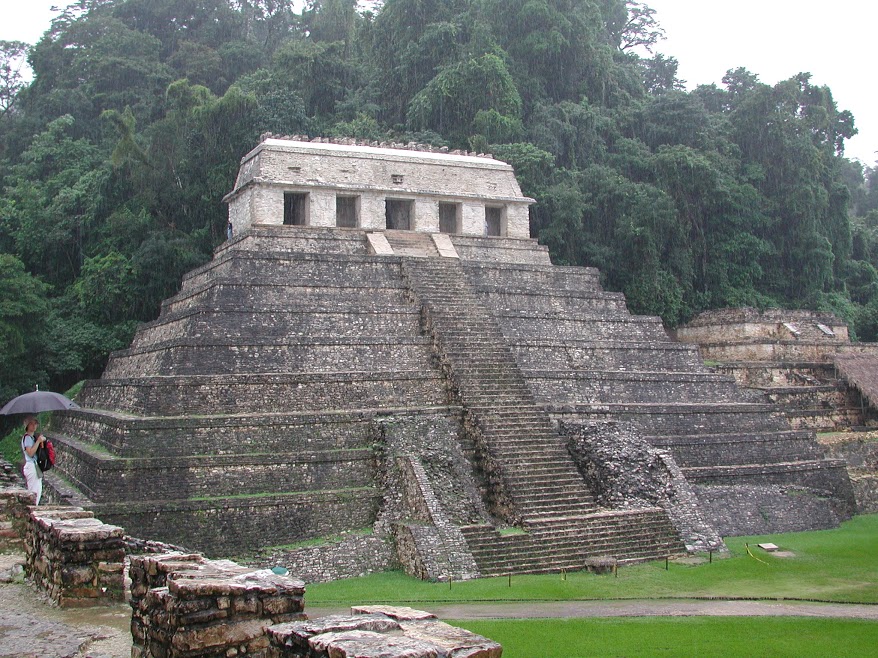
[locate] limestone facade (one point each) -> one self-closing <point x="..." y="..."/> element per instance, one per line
<point x="283" y="181"/>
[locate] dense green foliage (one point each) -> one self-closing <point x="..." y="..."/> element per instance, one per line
<point x="830" y="565"/>
<point x="114" y="158"/>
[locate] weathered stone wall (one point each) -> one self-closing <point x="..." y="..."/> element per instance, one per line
<point x="75" y="558"/>
<point x="266" y="393"/>
<point x="348" y="556"/>
<point x="739" y="447"/>
<point x="859" y="450"/>
<point x="743" y="509"/>
<point x="733" y="325"/>
<point x="430" y="490"/>
<point x="865" y="485"/>
<point x="15" y="506"/>
<point x="103" y="481"/>
<point x="222" y="526"/>
<point x="219" y="435"/>
<point x="652" y="388"/>
<point x="500" y="249"/>
<point x="264" y="238"/>
<point x="860" y="453"/>
<point x="229" y="355"/>
<point x="782" y="350"/>
<point x="554" y="354"/>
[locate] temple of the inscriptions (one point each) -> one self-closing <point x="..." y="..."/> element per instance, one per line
<point x="382" y="353"/>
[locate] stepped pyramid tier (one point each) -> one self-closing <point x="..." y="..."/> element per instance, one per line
<point x="381" y="346"/>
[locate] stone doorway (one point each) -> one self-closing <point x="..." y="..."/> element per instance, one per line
<point x="398" y="214"/>
<point x="493" y="221"/>
<point x="449" y="218"/>
<point x="295" y="208"/>
<point x="346" y="213"/>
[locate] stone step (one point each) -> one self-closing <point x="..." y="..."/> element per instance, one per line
<point x="537" y="513"/>
<point x="544" y="559"/>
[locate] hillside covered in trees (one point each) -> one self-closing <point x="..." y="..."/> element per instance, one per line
<point x="115" y="156"/>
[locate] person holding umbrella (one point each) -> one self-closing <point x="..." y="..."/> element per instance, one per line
<point x="30" y="404"/>
<point x="30" y="442"/>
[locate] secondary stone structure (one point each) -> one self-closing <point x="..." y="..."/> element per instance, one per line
<point x="382" y="349"/>
<point x="798" y="358"/>
<point x="804" y="362"/>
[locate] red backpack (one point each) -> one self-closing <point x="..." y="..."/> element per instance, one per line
<point x="45" y="455"/>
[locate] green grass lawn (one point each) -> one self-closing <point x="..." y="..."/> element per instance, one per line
<point x="831" y="565"/>
<point x="834" y="565"/>
<point x="704" y="637"/>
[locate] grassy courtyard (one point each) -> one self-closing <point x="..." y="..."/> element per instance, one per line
<point x="832" y="565"/>
<point x="704" y="637"/>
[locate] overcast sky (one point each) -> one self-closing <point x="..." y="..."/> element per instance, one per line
<point x="773" y="38"/>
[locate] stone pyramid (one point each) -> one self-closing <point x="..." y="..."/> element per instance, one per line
<point x="381" y="346"/>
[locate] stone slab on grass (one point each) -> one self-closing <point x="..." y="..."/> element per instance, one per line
<point x="379" y="632"/>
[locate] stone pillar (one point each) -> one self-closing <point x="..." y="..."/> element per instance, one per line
<point x="472" y="219"/>
<point x="78" y="560"/>
<point x="184" y="605"/>
<point x="372" y="212"/>
<point x="517" y="221"/>
<point x="426" y="216"/>
<point x="267" y="205"/>
<point x="322" y="211"/>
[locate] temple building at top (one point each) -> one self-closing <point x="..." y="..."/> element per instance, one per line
<point x="373" y="188"/>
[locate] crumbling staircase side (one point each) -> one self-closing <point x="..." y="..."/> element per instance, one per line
<point x="440" y="548"/>
<point x="527" y="458"/>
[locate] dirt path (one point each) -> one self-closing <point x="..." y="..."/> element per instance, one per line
<point x="30" y="627"/>
<point x="652" y="608"/>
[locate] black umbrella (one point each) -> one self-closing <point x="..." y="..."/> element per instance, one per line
<point x="37" y="401"/>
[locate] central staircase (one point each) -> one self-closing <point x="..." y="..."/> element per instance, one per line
<point x="534" y="482"/>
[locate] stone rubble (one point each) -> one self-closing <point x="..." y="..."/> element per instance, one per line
<point x="184" y="605"/>
<point x="626" y="472"/>
<point x="379" y="632"/>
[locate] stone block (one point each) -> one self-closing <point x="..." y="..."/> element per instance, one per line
<point x="395" y="632"/>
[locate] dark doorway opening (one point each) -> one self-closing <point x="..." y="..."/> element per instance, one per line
<point x="346" y="211"/>
<point x="398" y="214"/>
<point x="493" y="221"/>
<point x="295" y="208"/>
<point x="449" y="217"/>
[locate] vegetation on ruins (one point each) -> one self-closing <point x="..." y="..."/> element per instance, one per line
<point x="115" y="155"/>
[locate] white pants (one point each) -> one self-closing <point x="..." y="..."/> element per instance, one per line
<point x="34" y="483"/>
